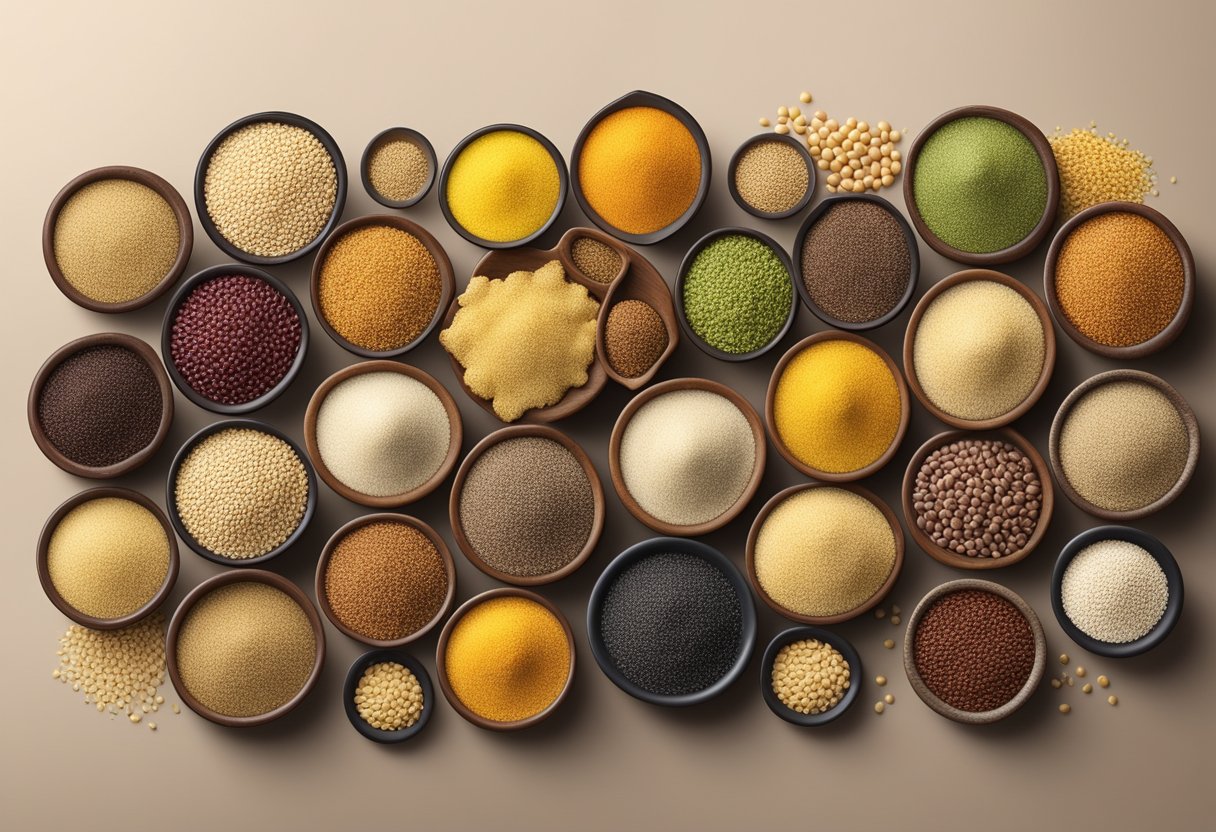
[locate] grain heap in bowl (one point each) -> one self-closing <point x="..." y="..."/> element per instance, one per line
<point x="810" y="676"/>
<point x="389" y="697"/>
<point x="772" y="176"/>
<point x="596" y="259"/>
<point x="635" y="337"/>
<point x="503" y="186"/>
<point x="1114" y="591"/>
<point x="398" y="167"/>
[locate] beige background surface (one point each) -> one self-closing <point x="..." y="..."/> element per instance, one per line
<point x="86" y="86"/>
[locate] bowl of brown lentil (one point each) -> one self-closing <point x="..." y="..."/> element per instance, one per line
<point x="388" y="696"/>
<point x="116" y="238"/>
<point x="809" y="676"/>
<point x="771" y="176"/>
<point x="398" y="167"/>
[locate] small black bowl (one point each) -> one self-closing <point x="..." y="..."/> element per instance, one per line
<point x="660" y="546"/>
<point x="166" y="337"/>
<point x="352" y="684"/>
<point x="563" y="185"/>
<point x="798" y="634"/>
<point x="913" y="265"/>
<point x="1173" y="575"/>
<point x="415" y="138"/>
<point x="686" y="264"/>
<point x="310" y="507"/>
<point x="733" y="187"/>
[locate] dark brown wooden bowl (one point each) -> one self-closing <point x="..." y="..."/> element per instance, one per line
<point x="1046" y="156"/>
<point x="44" y="546"/>
<point x="441" y="650"/>
<point x="671" y="386"/>
<point x="949" y="711"/>
<point x="392" y="134"/>
<point x="597" y="496"/>
<point x="1172" y="330"/>
<point x="770" y="399"/>
<point x="65" y="352"/>
<point x="1049" y="348"/>
<point x="793" y="142"/>
<point x="949" y="558"/>
<point x="781" y="496"/>
<point x="447" y="279"/>
<point x="185" y="229"/>
<point x="1184" y="412"/>
<point x="395" y="500"/>
<point x="224" y="579"/>
<point x="337" y="537"/>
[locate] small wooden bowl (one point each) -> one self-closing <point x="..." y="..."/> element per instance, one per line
<point x="65" y="352"/>
<point x="197" y="594"/>
<point x="310" y="507"/>
<point x="394" y="134"/>
<point x="931" y="699"/>
<point x="639" y="98"/>
<point x="442" y="649"/>
<point x="1046" y="156"/>
<point x="1084" y="388"/>
<point x="671" y="386"/>
<point x="394" y="500"/>
<point x="770" y="402"/>
<point x="351" y="686"/>
<point x="597" y="496"/>
<point x="777" y="499"/>
<point x="1173" y="575"/>
<point x="185" y="230"/>
<point x="183" y="294"/>
<point x="842" y="645"/>
<point x="660" y="546"/>
<point x="747" y="145"/>
<point x="563" y="183"/>
<point x="447" y="279"/>
<point x="800" y="275"/>
<point x="327" y="554"/>
<point x="200" y="181"/>
<point x="949" y="558"/>
<point x="1172" y="330"/>
<point x="44" y="547"/>
<point x="1049" y="348"/>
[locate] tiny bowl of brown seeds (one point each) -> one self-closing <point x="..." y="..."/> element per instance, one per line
<point x="771" y="176"/>
<point x="388" y="696"/>
<point x="809" y="676"/>
<point x="398" y="167"/>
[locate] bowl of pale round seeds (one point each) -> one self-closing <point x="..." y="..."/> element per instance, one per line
<point x="388" y="696"/>
<point x="809" y="676"/>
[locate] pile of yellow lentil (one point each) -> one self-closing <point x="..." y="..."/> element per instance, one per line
<point x="389" y="697"/>
<point x="810" y="676"/>
<point x="1098" y="168"/>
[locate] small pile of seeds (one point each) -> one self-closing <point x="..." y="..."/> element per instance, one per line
<point x="1114" y="591"/>
<point x="634" y="337"/>
<point x="1096" y="168"/>
<point x="118" y="671"/>
<point x="737" y="294"/>
<point x="398" y="168"/>
<point x="810" y="676"/>
<point x="596" y="260"/>
<point x="772" y="176"/>
<point x="389" y="696"/>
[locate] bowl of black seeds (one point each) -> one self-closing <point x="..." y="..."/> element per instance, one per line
<point x="671" y="621"/>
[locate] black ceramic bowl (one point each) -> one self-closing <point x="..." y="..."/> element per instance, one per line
<point x="686" y="264"/>
<point x="418" y="140"/>
<point x="747" y="145"/>
<point x="1173" y="606"/>
<point x="352" y="684"/>
<point x="670" y="545"/>
<point x="200" y="179"/>
<point x="798" y="634"/>
<point x="310" y="507"/>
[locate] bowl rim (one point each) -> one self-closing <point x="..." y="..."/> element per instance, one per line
<point x="43" y="553"/>
<point x="931" y="699"/>
<point x="273" y="116"/>
<point x="759" y="138"/>
<point x="185" y="291"/>
<point x="563" y="184"/>
<point x="118" y="339"/>
<point x="671" y="386"/>
<point x="945" y="556"/>
<point x="1164" y="558"/>
<point x="682" y="275"/>
<point x="753" y="535"/>
<point x="242" y="564"/>
<point x="455" y="439"/>
<point x="441" y="658"/>
<point x="185" y="231"/>
<point x="1185" y="413"/>
<point x="804" y="293"/>
<point x="841" y="644"/>
<point x="671" y="545"/>
<point x="597" y="496"/>
<point x="770" y="406"/>
<point x="327" y="553"/>
<point x="447" y="279"/>
<point x="215" y="582"/>
<point x="421" y="142"/>
<point x="1171" y="331"/>
<point x="642" y="98"/>
<point x="351" y="684"/>
<point x="1049" y="348"/>
<point x="1051" y="173"/>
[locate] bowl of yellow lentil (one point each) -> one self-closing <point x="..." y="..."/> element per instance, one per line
<point x="398" y="167"/>
<point x="388" y="696"/>
<point x="809" y="676"/>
